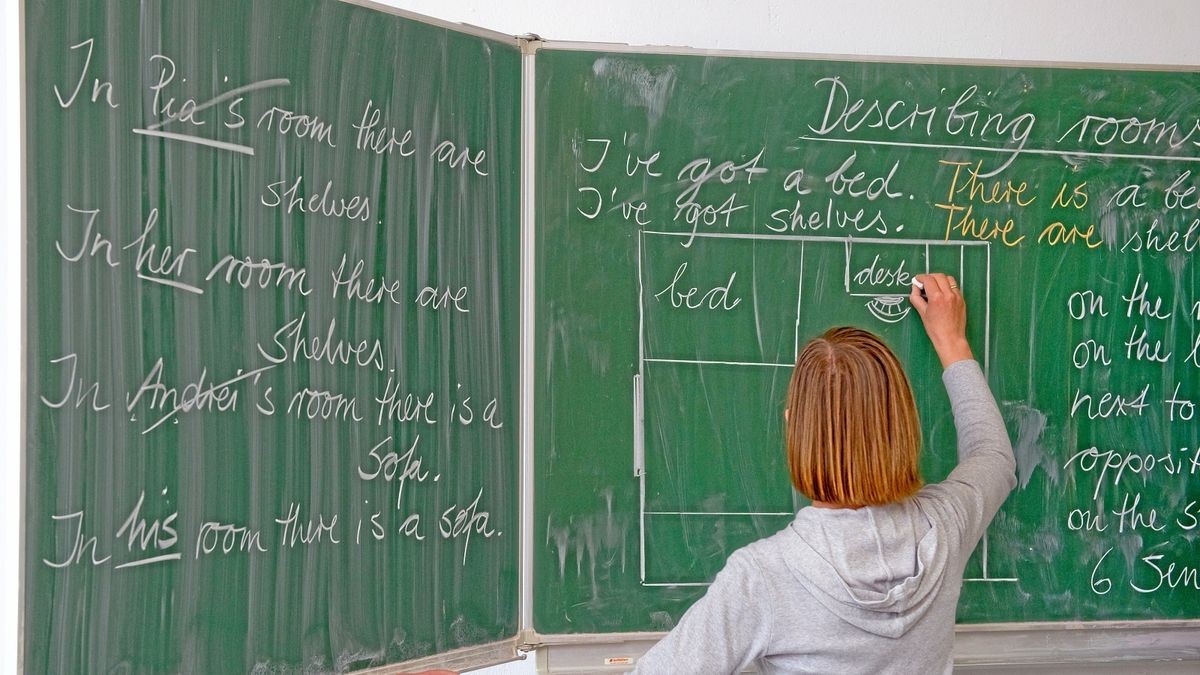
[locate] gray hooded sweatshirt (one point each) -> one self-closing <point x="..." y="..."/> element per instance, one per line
<point x="869" y="590"/>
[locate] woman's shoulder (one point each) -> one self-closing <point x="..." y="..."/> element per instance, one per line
<point x="766" y="556"/>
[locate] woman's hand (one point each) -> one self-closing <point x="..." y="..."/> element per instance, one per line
<point x="944" y="314"/>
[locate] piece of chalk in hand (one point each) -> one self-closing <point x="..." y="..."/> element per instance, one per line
<point x="918" y="284"/>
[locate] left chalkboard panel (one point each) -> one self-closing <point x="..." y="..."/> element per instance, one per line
<point x="271" y="306"/>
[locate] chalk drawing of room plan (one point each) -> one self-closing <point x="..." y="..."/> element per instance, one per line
<point x="721" y="319"/>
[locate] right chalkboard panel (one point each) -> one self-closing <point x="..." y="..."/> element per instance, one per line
<point x="699" y="217"/>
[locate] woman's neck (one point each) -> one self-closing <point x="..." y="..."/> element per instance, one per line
<point x="830" y="505"/>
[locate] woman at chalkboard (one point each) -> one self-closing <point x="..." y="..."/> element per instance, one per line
<point x="867" y="578"/>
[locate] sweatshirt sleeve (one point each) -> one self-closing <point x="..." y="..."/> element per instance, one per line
<point x="723" y="632"/>
<point x="986" y="471"/>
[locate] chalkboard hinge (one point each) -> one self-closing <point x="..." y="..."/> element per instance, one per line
<point x="528" y="640"/>
<point x="529" y="43"/>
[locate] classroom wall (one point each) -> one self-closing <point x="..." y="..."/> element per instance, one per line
<point x="1112" y="31"/>
<point x="10" y="332"/>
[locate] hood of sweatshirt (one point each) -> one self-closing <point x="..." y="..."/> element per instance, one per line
<point x="877" y="567"/>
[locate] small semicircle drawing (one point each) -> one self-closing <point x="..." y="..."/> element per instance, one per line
<point x="889" y="308"/>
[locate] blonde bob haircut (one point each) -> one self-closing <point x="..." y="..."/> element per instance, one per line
<point x="852" y="431"/>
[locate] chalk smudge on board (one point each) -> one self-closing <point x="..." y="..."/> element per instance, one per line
<point x="640" y="86"/>
<point x="561" y="536"/>
<point x="598" y="542"/>
<point x="1131" y="549"/>
<point x="349" y="659"/>
<point x="661" y="621"/>
<point x="1030" y="424"/>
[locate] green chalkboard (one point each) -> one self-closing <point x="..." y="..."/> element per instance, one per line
<point x="272" y="303"/>
<point x="700" y="216"/>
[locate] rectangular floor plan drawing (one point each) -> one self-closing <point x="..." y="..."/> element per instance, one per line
<point x="721" y="320"/>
